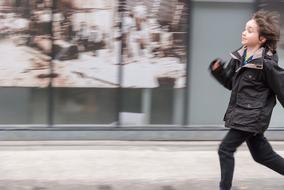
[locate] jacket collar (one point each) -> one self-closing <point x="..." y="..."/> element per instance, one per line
<point x="257" y="58"/>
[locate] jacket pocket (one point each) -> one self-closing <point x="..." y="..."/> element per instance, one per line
<point x="251" y="75"/>
<point x="247" y="112"/>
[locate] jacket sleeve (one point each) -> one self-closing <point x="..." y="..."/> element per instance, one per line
<point x="224" y="74"/>
<point x="275" y="80"/>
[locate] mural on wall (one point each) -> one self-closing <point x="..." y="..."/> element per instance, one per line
<point x="86" y="43"/>
<point x="93" y="43"/>
<point x="25" y="43"/>
<point x="153" y="43"/>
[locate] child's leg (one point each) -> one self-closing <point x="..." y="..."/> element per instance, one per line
<point x="263" y="153"/>
<point x="227" y="148"/>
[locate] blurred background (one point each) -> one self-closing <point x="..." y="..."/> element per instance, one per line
<point x="120" y="64"/>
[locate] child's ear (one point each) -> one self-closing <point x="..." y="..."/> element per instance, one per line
<point x="262" y="39"/>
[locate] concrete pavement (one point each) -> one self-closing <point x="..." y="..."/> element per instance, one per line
<point x="117" y="165"/>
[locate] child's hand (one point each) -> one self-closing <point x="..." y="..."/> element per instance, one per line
<point x="215" y="64"/>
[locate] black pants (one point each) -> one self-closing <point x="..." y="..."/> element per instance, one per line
<point x="259" y="148"/>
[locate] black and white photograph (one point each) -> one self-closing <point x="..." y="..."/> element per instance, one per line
<point x="73" y="43"/>
<point x="87" y="45"/>
<point x="25" y="43"/>
<point x="153" y="43"/>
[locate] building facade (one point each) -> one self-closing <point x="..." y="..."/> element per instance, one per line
<point x="70" y="103"/>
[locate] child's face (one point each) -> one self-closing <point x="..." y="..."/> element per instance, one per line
<point x="250" y="36"/>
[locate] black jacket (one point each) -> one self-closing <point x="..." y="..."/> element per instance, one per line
<point x="254" y="88"/>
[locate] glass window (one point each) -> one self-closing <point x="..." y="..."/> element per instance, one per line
<point x="85" y="106"/>
<point x="23" y="106"/>
<point x="87" y="51"/>
<point x="154" y="57"/>
<point x="131" y="112"/>
<point x="25" y="47"/>
<point x="167" y="106"/>
<point x="148" y="107"/>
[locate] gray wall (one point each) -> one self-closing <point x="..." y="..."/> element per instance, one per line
<point x="216" y="31"/>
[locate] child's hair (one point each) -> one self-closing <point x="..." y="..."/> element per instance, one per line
<point x="269" y="27"/>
